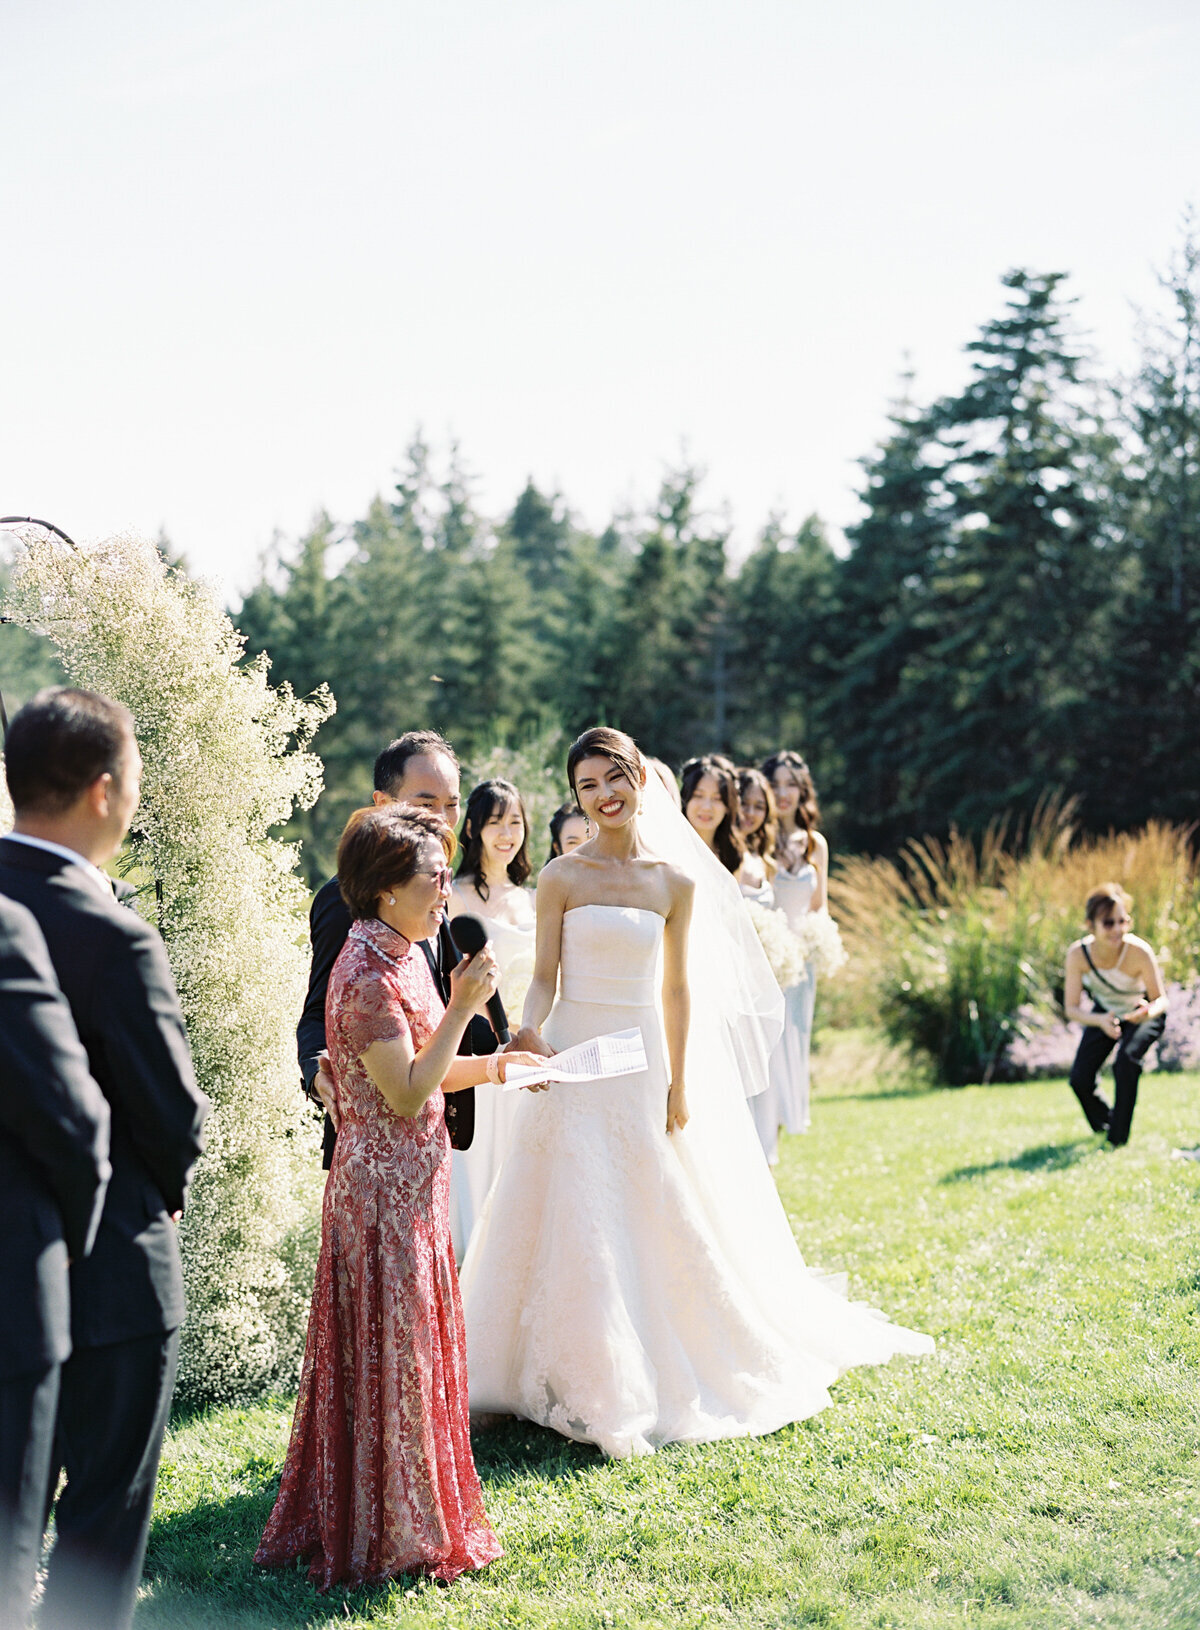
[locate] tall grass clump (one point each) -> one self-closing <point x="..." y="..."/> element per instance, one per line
<point x="226" y="762"/>
<point x="953" y="943"/>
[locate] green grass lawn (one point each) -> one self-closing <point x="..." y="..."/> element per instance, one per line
<point x="1042" y="1470"/>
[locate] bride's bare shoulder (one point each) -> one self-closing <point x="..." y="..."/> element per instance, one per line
<point x="553" y="877"/>
<point x="676" y="880"/>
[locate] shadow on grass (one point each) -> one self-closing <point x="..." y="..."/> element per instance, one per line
<point x="512" y="1450"/>
<point x="1043" y="1157"/>
<point x="200" y="1572"/>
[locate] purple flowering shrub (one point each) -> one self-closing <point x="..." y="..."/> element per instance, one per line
<point x="1044" y="1046"/>
<point x="1179" y="1046"/>
<point x="1041" y="1046"/>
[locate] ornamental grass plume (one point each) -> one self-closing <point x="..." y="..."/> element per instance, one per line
<point x="226" y="761"/>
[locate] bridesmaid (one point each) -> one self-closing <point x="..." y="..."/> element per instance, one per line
<point x="709" y="796"/>
<point x="802" y="861"/>
<point x="759" y="825"/>
<point x="568" y="829"/>
<point x="379" y="1480"/>
<point x="490" y="885"/>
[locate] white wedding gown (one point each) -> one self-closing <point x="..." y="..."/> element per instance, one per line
<point x="630" y="1289"/>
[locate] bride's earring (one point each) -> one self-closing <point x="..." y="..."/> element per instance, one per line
<point x="391" y="899"/>
<point x="587" y="825"/>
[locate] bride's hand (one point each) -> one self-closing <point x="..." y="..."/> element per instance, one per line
<point x="528" y="1040"/>
<point x="677" y="1110"/>
<point x="512" y="1055"/>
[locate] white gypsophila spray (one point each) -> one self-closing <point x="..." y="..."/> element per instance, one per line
<point x="226" y="761"/>
<point x="821" y="943"/>
<point x="782" y="949"/>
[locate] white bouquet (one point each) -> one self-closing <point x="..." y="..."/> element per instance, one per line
<point x="820" y="943"/>
<point x="783" y="950"/>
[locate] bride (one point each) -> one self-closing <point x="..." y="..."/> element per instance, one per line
<point x="633" y="1280"/>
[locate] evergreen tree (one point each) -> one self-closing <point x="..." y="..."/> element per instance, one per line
<point x="885" y="619"/>
<point x="1031" y="469"/>
<point x="1142" y="758"/>
<point x="666" y="664"/>
<point x="782" y="621"/>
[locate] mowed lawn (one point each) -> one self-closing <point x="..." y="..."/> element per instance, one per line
<point x="1042" y="1470"/>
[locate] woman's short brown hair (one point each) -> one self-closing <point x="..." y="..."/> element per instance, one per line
<point x="1106" y="898"/>
<point x="380" y="849"/>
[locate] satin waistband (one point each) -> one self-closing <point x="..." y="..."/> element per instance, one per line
<point x="608" y="990"/>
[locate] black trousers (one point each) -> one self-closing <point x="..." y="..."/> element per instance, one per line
<point x="1094" y="1048"/>
<point x="112" y="1414"/>
<point x="28" y="1405"/>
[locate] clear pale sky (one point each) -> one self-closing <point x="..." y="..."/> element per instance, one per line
<point x="248" y="247"/>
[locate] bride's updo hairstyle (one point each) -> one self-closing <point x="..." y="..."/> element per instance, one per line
<point x="603" y="742"/>
<point x="727" y="839"/>
<point x="380" y="849"/>
<point x="487" y="799"/>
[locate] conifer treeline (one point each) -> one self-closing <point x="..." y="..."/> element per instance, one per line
<point x="1018" y="609"/>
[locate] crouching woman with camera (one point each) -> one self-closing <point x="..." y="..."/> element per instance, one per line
<point x="1128" y="1008"/>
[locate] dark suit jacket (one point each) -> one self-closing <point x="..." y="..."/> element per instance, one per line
<point x="53" y="1151"/>
<point x="113" y="970"/>
<point x="328" y="925"/>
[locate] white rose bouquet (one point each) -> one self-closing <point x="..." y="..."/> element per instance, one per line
<point x="820" y="943"/>
<point x="783" y="950"/>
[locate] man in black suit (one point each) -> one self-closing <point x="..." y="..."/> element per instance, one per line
<point x="418" y="768"/>
<point x="53" y="1176"/>
<point x="74" y="774"/>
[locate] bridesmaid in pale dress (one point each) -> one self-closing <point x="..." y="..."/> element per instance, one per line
<point x="759" y="825"/>
<point x="709" y="799"/>
<point x="802" y="869"/>
<point x="490" y="885"/>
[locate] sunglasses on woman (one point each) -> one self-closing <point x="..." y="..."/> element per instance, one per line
<point x="441" y="878"/>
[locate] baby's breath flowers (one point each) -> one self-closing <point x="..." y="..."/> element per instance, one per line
<point x="226" y="763"/>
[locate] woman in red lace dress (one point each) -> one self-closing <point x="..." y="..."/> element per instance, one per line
<point x="379" y="1479"/>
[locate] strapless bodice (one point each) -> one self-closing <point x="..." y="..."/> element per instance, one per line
<point x="794" y="891"/>
<point x="609" y="955"/>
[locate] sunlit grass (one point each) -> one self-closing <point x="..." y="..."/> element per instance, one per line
<point x="1043" y="1470"/>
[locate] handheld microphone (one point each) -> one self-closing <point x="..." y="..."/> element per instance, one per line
<point x="469" y="934"/>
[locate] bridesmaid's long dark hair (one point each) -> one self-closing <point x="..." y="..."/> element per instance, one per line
<point x="487" y="799"/>
<point x="764" y="840"/>
<point x="808" y="812"/>
<point x="727" y="839"/>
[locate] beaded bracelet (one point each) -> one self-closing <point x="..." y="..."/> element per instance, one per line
<point x="493" y="1069"/>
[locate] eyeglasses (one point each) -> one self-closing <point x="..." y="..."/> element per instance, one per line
<point x="441" y="878"/>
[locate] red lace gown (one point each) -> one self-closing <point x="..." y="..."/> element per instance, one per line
<point x="379" y="1479"/>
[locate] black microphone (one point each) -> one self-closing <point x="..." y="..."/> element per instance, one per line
<point x="469" y="934"/>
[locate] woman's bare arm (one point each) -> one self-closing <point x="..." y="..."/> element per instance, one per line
<point x="820" y="898"/>
<point x="676" y="997"/>
<point x="406" y="1078"/>
<point x="551" y="903"/>
<point x="1156" y="1001"/>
